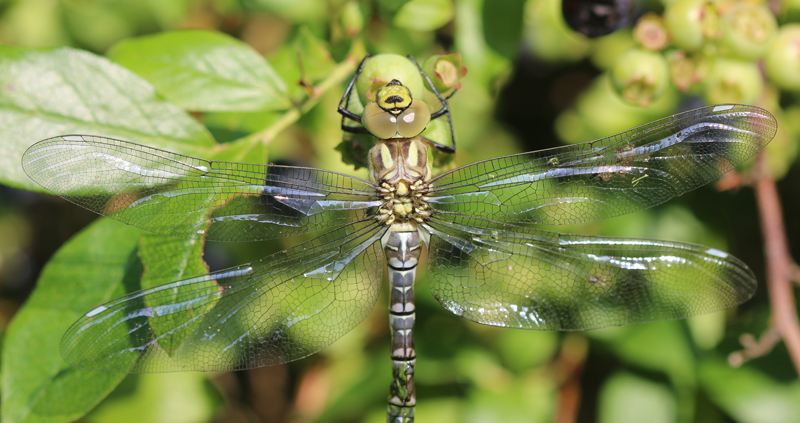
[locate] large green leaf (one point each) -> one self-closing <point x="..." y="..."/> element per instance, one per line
<point x="92" y="268"/>
<point x="44" y="93"/>
<point x="627" y="398"/>
<point x="104" y="261"/>
<point x="502" y="25"/>
<point x="748" y="395"/>
<point x="186" y="397"/>
<point x="306" y="59"/>
<point x="168" y="259"/>
<point x="204" y="71"/>
<point x="316" y="59"/>
<point x="657" y="346"/>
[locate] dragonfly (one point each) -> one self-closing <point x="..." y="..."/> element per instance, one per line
<point x="487" y="262"/>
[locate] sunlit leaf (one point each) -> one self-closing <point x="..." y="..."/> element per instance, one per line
<point x="168" y="259"/>
<point x="94" y="267"/>
<point x="204" y="71"/>
<point x="317" y="60"/>
<point x="627" y="398"/>
<point x="181" y="398"/>
<point x="49" y="92"/>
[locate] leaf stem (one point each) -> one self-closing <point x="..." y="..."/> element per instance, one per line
<point x="340" y="73"/>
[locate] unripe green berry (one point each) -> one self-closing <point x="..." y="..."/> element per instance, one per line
<point x="640" y="77"/>
<point x="747" y="30"/>
<point x="733" y="81"/>
<point x="382" y="69"/>
<point x="691" y="23"/>
<point x="352" y="19"/>
<point x="783" y="58"/>
<point x="686" y="70"/>
<point x="651" y="32"/>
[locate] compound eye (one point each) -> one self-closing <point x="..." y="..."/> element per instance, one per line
<point x="379" y="122"/>
<point x="414" y="119"/>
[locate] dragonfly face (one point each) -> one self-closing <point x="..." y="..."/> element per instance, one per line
<point x="395" y="114"/>
<point x="485" y="261"/>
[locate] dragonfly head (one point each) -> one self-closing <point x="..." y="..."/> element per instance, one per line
<point x="394" y="97"/>
<point x="395" y="113"/>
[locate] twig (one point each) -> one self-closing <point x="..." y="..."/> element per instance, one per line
<point x="569" y="367"/>
<point x="339" y="74"/>
<point x="779" y="262"/>
<point x="753" y="347"/>
<point x="795" y="275"/>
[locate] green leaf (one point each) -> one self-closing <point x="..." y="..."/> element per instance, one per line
<point x="627" y="398"/>
<point x="748" y="395"/>
<point x="304" y="58"/>
<point x="317" y="60"/>
<point x="502" y="25"/>
<point x="92" y="268"/>
<point x="163" y="397"/>
<point x="229" y="126"/>
<point x="424" y="15"/>
<point x="296" y="11"/>
<point x="168" y="259"/>
<point x="522" y="350"/>
<point x="707" y="330"/>
<point x="354" y="149"/>
<point x="44" y="93"/>
<point x="390" y="7"/>
<point x="660" y="346"/>
<point x="495" y="395"/>
<point x="97" y="25"/>
<point x="244" y="151"/>
<point x="204" y="71"/>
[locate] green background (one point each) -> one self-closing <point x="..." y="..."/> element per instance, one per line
<point x="229" y="89"/>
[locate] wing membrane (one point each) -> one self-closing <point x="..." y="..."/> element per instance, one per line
<point x="532" y="279"/>
<point x="178" y="195"/>
<point x="612" y="176"/>
<point x="278" y="309"/>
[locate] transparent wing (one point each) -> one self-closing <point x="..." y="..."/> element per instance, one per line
<point x="612" y="176"/>
<point x="281" y="308"/>
<point x="178" y="195"/>
<point x="532" y="279"/>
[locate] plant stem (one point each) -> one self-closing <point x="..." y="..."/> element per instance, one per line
<point x="779" y="262"/>
<point x="340" y="73"/>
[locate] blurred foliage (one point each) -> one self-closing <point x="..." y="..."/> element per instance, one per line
<point x="259" y="81"/>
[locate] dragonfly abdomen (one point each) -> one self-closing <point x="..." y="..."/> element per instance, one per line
<point x="402" y="251"/>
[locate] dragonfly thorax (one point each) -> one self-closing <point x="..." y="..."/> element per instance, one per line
<point x="401" y="169"/>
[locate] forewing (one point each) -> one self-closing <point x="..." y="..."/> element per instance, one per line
<point x="281" y="308"/>
<point x="178" y="195"/>
<point x="612" y="176"/>
<point x="532" y="279"/>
